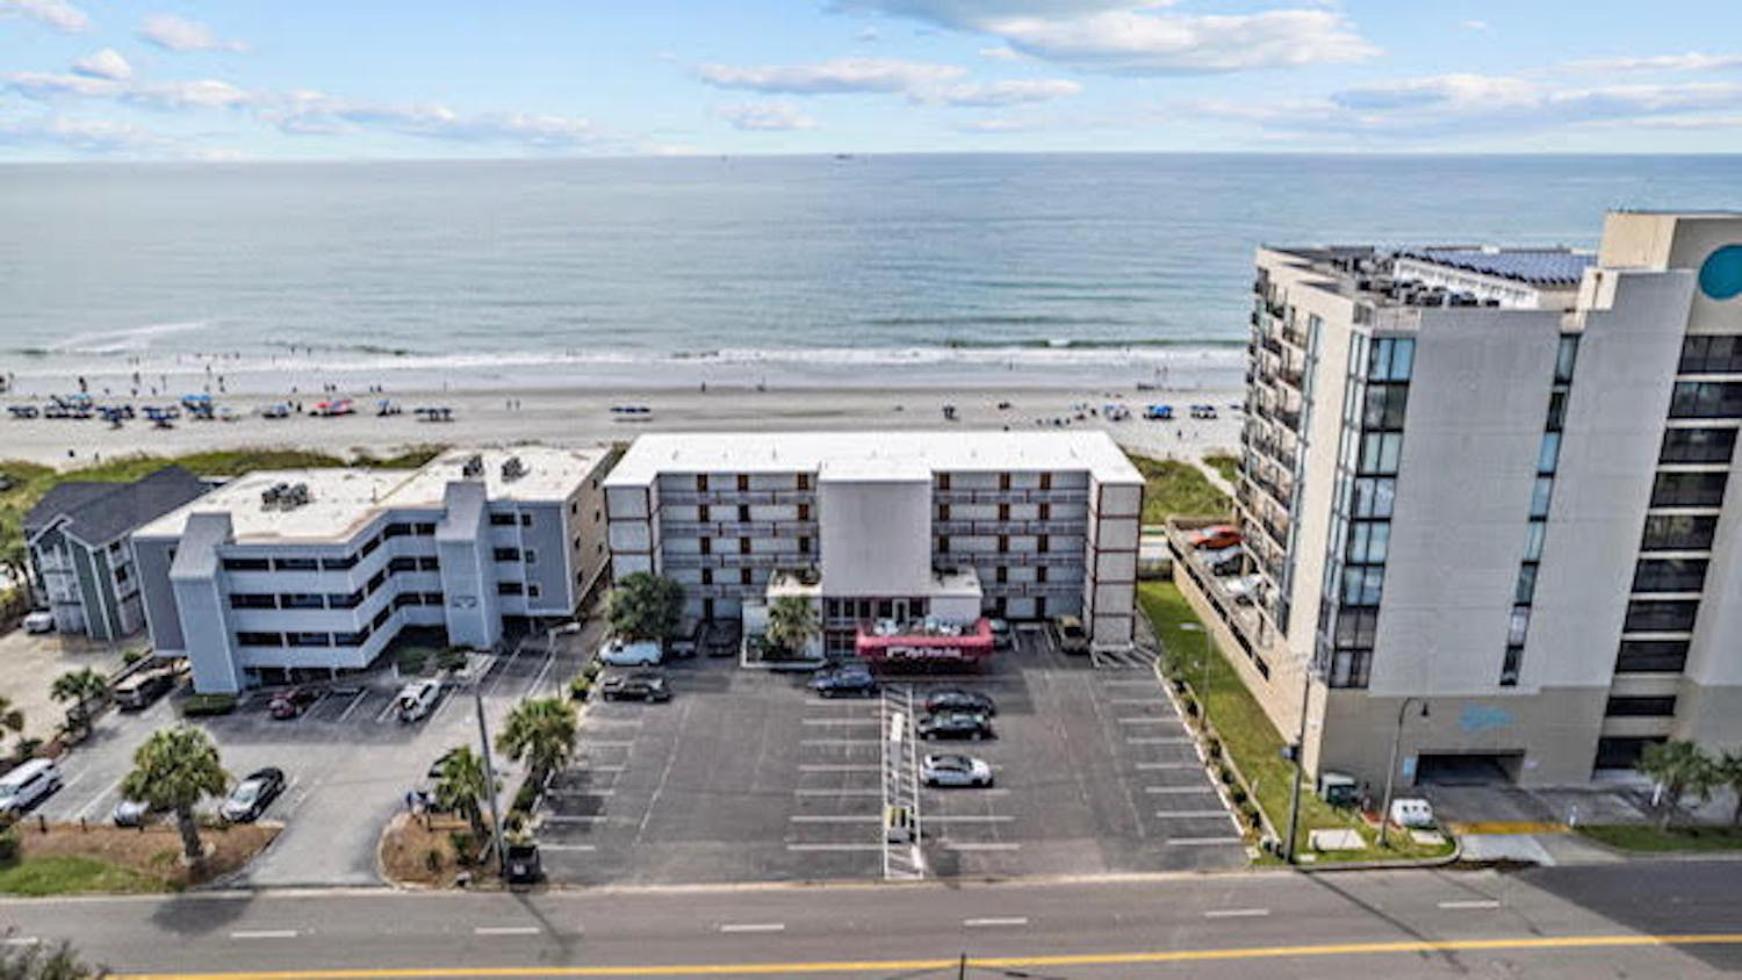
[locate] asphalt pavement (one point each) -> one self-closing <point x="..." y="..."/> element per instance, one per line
<point x="1653" y="919"/>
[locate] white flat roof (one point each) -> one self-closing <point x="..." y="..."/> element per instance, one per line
<point x="857" y="454"/>
<point x="343" y="500"/>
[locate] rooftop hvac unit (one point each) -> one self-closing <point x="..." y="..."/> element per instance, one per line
<point x="270" y="497"/>
<point x="473" y="467"/>
<point x="513" y="469"/>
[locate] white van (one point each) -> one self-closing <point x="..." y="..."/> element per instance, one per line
<point x="417" y="700"/>
<point x="27" y="785"/>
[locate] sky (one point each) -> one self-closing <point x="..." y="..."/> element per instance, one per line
<point x="384" y="79"/>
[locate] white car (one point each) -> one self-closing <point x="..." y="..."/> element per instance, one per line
<point x="955" y="770"/>
<point x="417" y="700"/>
<point x="41" y="621"/>
<point x="620" y="654"/>
<point x="1412" y="812"/>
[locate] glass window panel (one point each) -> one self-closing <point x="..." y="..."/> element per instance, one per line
<point x="1517" y="625"/>
<point x="1533" y="536"/>
<point x="1550" y="453"/>
<point x="1403" y="359"/>
<point x="1557" y="410"/>
<point x="1540" y="496"/>
<point x="1565" y="358"/>
<point x="1525" y="591"/>
<point x="1379" y="364"/>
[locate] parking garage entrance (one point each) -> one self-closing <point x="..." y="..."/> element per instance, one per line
<point x="1468" y="768"/>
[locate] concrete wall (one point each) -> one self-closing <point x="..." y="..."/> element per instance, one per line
<point x="875" y="535"/>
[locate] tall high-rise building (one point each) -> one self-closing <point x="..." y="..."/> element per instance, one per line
<point x="1484" y="495"/>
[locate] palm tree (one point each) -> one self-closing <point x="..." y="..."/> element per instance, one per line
<point x="11" y="719"/>
<point x="1678" y="767"/>
<point x="644" y="606"/>
<point x="461" y="785"/>
<point x="174" y="770"/>
<point x="540" y="732"/>
<point x="792" y="622"/>
<point x="82" y="687"/>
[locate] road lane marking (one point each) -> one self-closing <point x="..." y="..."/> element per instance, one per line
<point x="1136" y="701"/>
<point x="506" y="931"/>
<point x="842" y="721"/>
<point x="1134" y="682"/>
<point x="586" y="768"/>
<point x="1236" y="913"/>
<point x="576" y="818"/>
<point x="995" y="922"/>
<point x="1473" y="903"/>
<point x="1201" y="841"/>
<point x="581" y="792"/>
<point x="597" y="722"/>
<point x="752" y="927"/>
<point x="1405" y="947"/>
<point x="112" y="787"/>
<point x="593" y="743"/>
<point x="264" y="934"/>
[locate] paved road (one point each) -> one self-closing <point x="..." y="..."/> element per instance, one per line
<point x="1558" y="923"/>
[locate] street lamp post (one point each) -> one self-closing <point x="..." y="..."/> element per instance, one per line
<point x="1391" y="769"/>
<point x="1306" y="690"/>
<point x="490" y="782"/>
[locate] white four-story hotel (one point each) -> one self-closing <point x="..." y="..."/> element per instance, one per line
<point x="885" y="526"/>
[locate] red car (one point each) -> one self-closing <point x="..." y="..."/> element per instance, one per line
<point x="1214" y="538"/>
<point x="292" y="702"/>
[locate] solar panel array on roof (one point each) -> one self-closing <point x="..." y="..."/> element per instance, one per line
<point x="1547" y="267"/>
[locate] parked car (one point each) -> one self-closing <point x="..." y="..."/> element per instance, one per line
<point x="292" y="702"/>
<point x="645" y="653"/>
<point x="1214" y="538"/>
<point x="131" y="813"/>
<point x="640" y="685"/>
<point x="954" y="770"/>
<point x="40" y="621"/>
<point x="843" y="681"/>
<point x="722" y="636"/>
<point x="27" y="785"/>
<point x="1001" y="635"/>
<point x="1413" y="812"/>
<point x="957" y="699"/>
<point x="1072" y="637"/>
<point x="955" y="724"/>
<point x="142" y="690"/>
<point x="253" y="795"/>
<point x="524" y="866"/>
<point x="417" y="700"/>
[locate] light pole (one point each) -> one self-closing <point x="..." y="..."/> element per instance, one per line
<point x="1391" y="769"/>
<point x="1306" y="690"/>
<point x="490" y="782"/>
<point x="1203" y="667"/>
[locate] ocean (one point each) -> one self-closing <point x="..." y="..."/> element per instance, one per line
<point x="866" y="269"/>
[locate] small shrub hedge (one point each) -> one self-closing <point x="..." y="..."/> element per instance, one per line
<point x="207" y="705"/>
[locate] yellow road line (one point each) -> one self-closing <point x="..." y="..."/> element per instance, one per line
<point x="985" y="962"/>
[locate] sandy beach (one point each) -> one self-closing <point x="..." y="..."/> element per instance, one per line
<point x="572" y="417"/>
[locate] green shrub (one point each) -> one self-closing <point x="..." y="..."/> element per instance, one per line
<point x="206" y="705"/>
<point x="1191" y="706"/>
<point x="453" y="658"/>
<point x="525" y="798"/>
<point x="432" y="861"/>
<point x="593" y="668"/>
<point x="132" y="657"/>
<point x="1213" y="747"/>
<point x="8" y="846"/>
<point x="1239" y="797"/>
<point x="1225" y="774"/>
<point x="411" y="660"/>
<point x="579" y="687"/>
<point x="463" y="843"/>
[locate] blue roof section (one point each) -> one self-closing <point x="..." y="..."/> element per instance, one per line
<point x="1541" y="267"/>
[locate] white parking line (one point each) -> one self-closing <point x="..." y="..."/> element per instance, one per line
<point x="576" y="818"/>
<point x="837" y="818"/>
<point x="1149" y="720"/>
<point x="386" y="709"/>
<point x="944" y="794"/>
<point x="1236" y="913"/>
<point x="752" y="927"/>
<point x="835" y="847"/>
<point x="264" y="934"/>
<point x="845" y="791"/>
<point x="80" y="815"/>
<point x="849" y="767"/>
<point x="1201" y="841"/>
<point x="842" y="721"/>
<point x="1130" y="682"/>
<point x="594" y="721"/>
<point x="597" y="744"/>
<point x="968" y="818"/>
<point x="1136" y="701"/>
<point x="1152" y="766"/>
<point x="21" y="941"/>
<point x="581" y="792"/>
<point x="837" y="742"/>
<point x="1014" y="920"/>
<point x="359" y="699"/>
<point x="1475" y="903"/>
<point x="1159" y="740"/>
<point x="583" y="767"/>
<point x="566" y="847"/>
<point x="982" y="846"/>
<point x="1189" y="814"/>
<point x="538" y="680"/>
<point x="1178" y="790"/>
<point x="506" y="930"/>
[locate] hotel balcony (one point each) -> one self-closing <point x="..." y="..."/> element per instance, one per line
<point x="752" y="498"/>
<point x="1031" y="495"/>
<point x="1010" y="527"/>
<point x="737" y="529"/>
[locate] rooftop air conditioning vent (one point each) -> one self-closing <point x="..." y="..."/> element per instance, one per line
<point x="473" y="467"/>
<point x="513" y="469"/>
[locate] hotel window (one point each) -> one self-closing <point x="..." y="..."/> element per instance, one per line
<point x="245" y="600"/>
<point x="1003" y="481"/>
<point x="743" y="483"/>
<point x="743" y="513"/>
<point x="1043" y="544"/>
<point x="1688" y="490"/>
<point x="943" y="544"/>
<point x="381" y="617"/>
<point x="804" y="481"/>
<point x="1004" y="512"/>
<point x="707" y="576"/>
<point x="744" y="576"/>
<point x="1040" y="574"/>
<point x="703" y="513"/>
<point x="1002" y="575"/>
<point x="1549" y="453"/>
<point x="350" y="639"/>
<point x="1678" y="532"/>
<point x="1706" y="400"/>
<point x="260" y="639"/>
<point x="804" y="512"/>
<point x="1045" y="512"/>
<point x="707" y="546"/>
<point x="309" y="639"/>
<point x="247" y="565"/>
<point x="404" y="599"/>
<point x="296" y="564"/>
<point x="804" y="546"/>
<point x="403" y="563"/>
<point x="1640" y="707"/>
<point x="701" y="483"/>
<point x="510" y="588"/>
<point x="533" y="591"/>
<point x="350" y="600"/>
<point x="338" y="564"/>
<point x="743" y="546"/>
<point x="397" y="531"/>
<point x="525" y="520"/>
<point x="1711" y="355"/>
<point x="369" y="547"/>
<point x="429" y="563"/>
<point x="1003" y="543"/>
<point x="501" y="520"/>
<point x="1652" y="657"/>
<point x="943" y="481"/>
<point x="531" y="557"/>
<point x="506" y="554"/>
<point x="1660" y="615"/>
<point x="300" y="600"/>
<point x="1669" y="575"/>
<point x="424" y="529"/>
<point x="1698" y="446"/>
<point x="1046" y="481"/>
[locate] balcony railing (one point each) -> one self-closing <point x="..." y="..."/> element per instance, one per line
<point x="1031" y="495"/>
<point x="729" y="560"/>
<point x="1031" y="589"/>
<point x="1010" y="527"/>
<point x="751" y="498"/>
<point x="738" y="529"/>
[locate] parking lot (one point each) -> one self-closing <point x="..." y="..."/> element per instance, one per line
<point x="748" y="776"/>
<point x="348" y="760"/>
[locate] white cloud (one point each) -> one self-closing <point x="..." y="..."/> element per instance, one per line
<point x="106" y="63"/>
<point x="1013" y="92"/>
<point x="174" y="33"/>
<point x="315" y="113"/>
<point x="867" y="35"/>
<point x="1138" y="38"/>
<point x="90" y="136"/>
<point x="1474" y="25"/>
<point x="766" y="116"/>
<point x="55" y="13"/>
<point x="1691" y="61"/>
<point x="1001" y="124"/>
<point x="999" y="54"/>
<point x="840" y="75"/>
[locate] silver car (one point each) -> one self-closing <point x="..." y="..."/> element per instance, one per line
<point x="955" y="770"/>
<point x="131" y="813"/>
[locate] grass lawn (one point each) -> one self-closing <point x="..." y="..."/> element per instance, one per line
<point x="1228" y="466"/>
<point x="1647" y="838"/>
<point x="1246" y="732"/>
<point x="67" y="875"/>
<point x="1174" y="488"/>
<point x="31" y="480"/>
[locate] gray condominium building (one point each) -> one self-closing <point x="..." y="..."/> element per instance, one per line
<point x="279" y="575"/>
<point x="887" y="526"/>
<point x="1485" y="493"/>
<point x="79" y="538"/>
